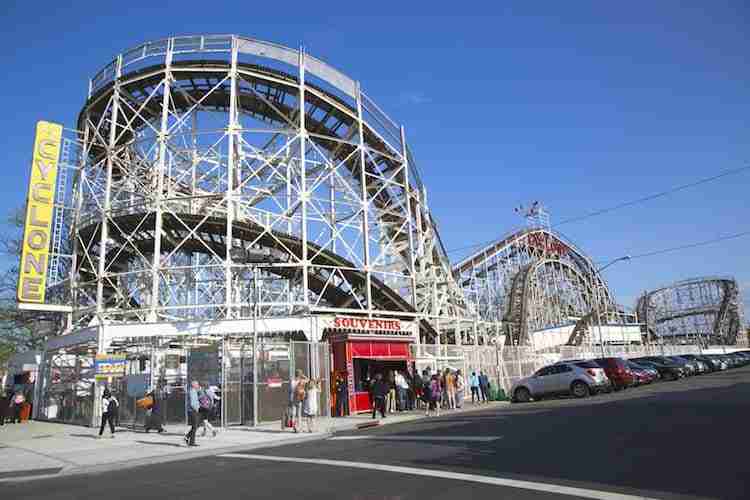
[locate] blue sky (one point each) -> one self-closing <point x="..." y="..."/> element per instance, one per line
<point x="578" y="104"/>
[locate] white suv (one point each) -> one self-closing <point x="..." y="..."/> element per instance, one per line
<point x="579" y="378"/>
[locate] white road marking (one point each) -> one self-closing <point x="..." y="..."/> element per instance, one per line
<point x="413" y="471"/>
<point x="479" y="439"/>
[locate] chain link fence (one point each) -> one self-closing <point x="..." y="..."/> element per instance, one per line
<point x="505" y="365"/>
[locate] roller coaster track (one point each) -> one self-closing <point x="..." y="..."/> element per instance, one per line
<point x="692" y="305"/>
<point x="262" y="95"/>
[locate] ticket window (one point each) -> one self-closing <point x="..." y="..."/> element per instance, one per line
<point x="365" y="370"/>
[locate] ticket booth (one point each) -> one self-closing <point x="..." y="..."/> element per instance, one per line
<point x="361" y="348"/>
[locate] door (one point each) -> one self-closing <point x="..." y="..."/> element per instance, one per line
<point x="541" y="380"/>
<point x="560" y="379"/>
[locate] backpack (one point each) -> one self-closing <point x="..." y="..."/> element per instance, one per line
<point x="112" y="406"/>
<point x="204" y="401"/>
<point x="299" y="391"/>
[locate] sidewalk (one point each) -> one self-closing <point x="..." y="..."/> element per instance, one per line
<point x="40" y="449"/>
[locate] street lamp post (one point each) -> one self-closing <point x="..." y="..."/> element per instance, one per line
<point x="597" y="297"/>
<point x="255" y="257"/>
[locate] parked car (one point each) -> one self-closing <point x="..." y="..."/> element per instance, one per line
<point x="721" y="362"/>
<point x="667" y="371"/>
<point x="688" y="369"/>
<point x="740" y="358"/>
<point x="710" y="364"/>
<point x="643" y="374"/>
<point x="691" y="366"/>
<point x="560" y="379"/>
<point x="617" y="371"/>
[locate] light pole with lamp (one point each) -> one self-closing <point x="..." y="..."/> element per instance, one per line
<point x="597" y="272"/>
<point x="255" y="257"/>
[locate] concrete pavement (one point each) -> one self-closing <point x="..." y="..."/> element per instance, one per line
<point x="42" y="449"/>
<point x="671" y="440"/>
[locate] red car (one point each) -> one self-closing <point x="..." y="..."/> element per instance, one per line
<point x="617" y="371"/>
<point x="641" y="374"/>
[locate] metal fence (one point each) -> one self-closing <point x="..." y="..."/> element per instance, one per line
<point x="504" y="365"/>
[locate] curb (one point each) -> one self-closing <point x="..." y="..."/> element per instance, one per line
<point x="71" y="470"/>
<point x="410" y="418"/>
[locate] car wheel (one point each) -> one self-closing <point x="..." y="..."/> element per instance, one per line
<point x="522" y="395"/>
<point x="579" y="389"/>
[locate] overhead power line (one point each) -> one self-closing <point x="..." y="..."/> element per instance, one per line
<point x="624" y="204"/>
<point x="691" y="245"/>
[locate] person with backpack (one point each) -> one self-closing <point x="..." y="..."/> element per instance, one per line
<point x="109" y="412"/>
<point x="297" y="393"/>
<point x="436" y="396"/>
<point x="206" y="403"/>
<point x="193" y="413"/>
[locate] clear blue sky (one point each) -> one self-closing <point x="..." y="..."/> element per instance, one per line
<point x="578" y="104"/>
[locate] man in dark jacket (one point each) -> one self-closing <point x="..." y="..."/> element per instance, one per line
<point x="484" y="386"/>
<point x="379" y="392"/>
<point x="342" y="395"/>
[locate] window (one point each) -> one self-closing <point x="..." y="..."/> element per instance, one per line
<point x="564" y="369"/>
<point x="587" y="364"/>
<point x="547" y="370"/>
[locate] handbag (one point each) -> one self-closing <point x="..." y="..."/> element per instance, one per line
<point x="145" y="403"/>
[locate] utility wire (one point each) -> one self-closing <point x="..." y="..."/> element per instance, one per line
<point x="691" y="245"/>
<point x="624" y="204"/>
<point x="654" y="196"/>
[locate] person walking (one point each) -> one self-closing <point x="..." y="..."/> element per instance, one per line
<point x="206" y="405"/>
<point x="380" y="391"/>
<point x="474" y="383"/>
<point x="484" y="386"/>
<point x="297" y="394"/>
<point x="310" y="405"/>
<point x="109" y="410"/>
<point x="460" y="389"/>
<point x="436" y="395"/>
<point x="154" y="420"/>
<point x="450" y="388"/>
<point x="193" y="413"/>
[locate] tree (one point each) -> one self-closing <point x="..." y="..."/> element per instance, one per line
<point x="16" y="326"/>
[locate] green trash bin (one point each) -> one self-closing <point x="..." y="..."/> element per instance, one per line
<point x="497" y="394"/>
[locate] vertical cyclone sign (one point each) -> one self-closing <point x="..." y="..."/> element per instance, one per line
<point x="32" y="277"/>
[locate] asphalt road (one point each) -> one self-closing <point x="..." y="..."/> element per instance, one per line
<point x="684" y="439"/>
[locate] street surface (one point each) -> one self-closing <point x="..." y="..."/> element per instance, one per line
<point x="684" y="439"/>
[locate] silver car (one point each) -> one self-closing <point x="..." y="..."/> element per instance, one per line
<point x="580" y="378"/>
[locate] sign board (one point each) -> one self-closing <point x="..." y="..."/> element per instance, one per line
<point x="380" y="327"/>
<point x="107" y="366"/>
<point x="32" y="278"/>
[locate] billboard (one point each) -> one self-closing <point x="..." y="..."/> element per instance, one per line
<point x="107" y="366"/>
<point x="32" y="277"/>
